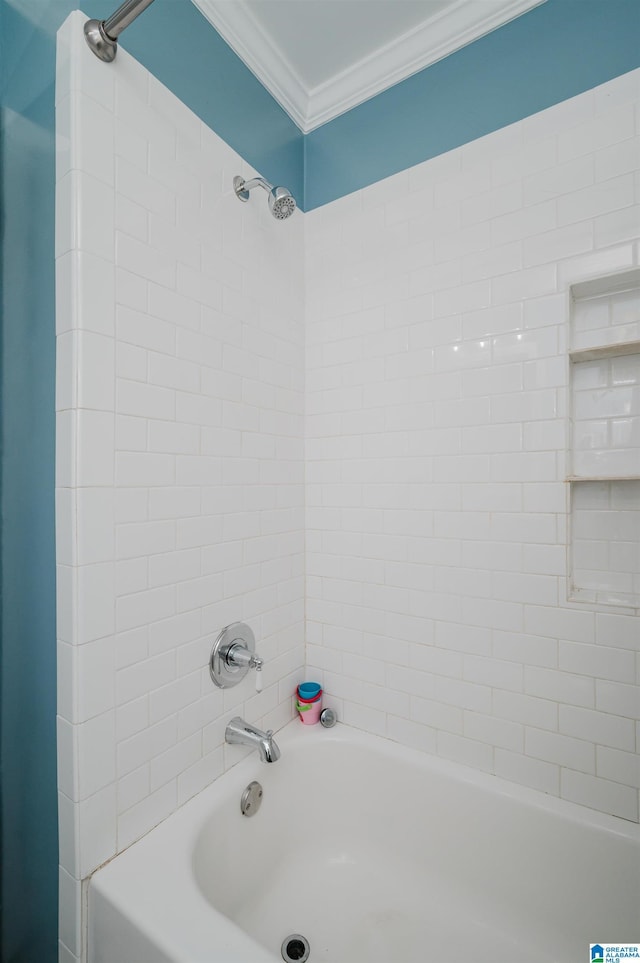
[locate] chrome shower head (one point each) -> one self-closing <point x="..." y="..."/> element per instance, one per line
<point x="281" y="201"/>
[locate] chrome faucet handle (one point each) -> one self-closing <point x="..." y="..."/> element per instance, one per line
<point x="239" y="655"/>
<point x="232" y="655"/>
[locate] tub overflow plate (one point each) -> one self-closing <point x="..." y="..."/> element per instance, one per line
<point x="251" y="799"/>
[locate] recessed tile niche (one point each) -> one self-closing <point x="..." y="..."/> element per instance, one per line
<point x="604" y="451"/>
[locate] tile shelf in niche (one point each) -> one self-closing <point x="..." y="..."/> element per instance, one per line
<point x="606" y="285"/>
<point x="601" y="597"/>
<point x="601" y="478"/>
<point x="604" y="351"/>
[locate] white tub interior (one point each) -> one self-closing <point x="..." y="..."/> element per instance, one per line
<point x="374" y="853"/>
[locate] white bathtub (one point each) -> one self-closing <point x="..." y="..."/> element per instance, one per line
<point x="376" y="854"/>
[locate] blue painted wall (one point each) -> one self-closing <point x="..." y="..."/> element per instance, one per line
<point x="28" y="813"/>
<point x="554" y="52"/>
<point x="28" y="664"/>
<point x="28" y="656"/>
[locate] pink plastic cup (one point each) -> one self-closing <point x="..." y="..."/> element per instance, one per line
<point x="309" y="712"/>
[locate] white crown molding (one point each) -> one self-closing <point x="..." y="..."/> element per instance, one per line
<point x="432" y="40"/>
<point x="255" y="48"/>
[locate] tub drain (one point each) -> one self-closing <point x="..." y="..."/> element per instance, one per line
<point x="295" y="949"/>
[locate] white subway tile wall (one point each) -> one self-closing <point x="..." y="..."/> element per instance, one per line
<point x="436" y="440"/>
<point x="180" y="502"/>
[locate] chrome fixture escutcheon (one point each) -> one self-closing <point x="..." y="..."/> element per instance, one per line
<point x="232" y="655"/>
<point x="103" y="46"/>
<point x="102" y="35"/>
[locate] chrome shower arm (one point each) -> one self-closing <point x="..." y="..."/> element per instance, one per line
<point x="102" y="35"/>
<point x="257" y="182"/>
<point x="242" y="187"/>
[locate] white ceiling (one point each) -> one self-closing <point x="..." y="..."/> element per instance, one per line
<point x="319" y="58"/>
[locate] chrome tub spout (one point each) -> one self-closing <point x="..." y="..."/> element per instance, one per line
<point x="241" y="733"/>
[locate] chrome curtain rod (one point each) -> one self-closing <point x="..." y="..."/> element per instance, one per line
<point x="102" y="35"/>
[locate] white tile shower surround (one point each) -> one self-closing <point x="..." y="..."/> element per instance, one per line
<point x="437" y="377"/>
<point x="436" y="387"/>
<point x="180" y="473"/>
